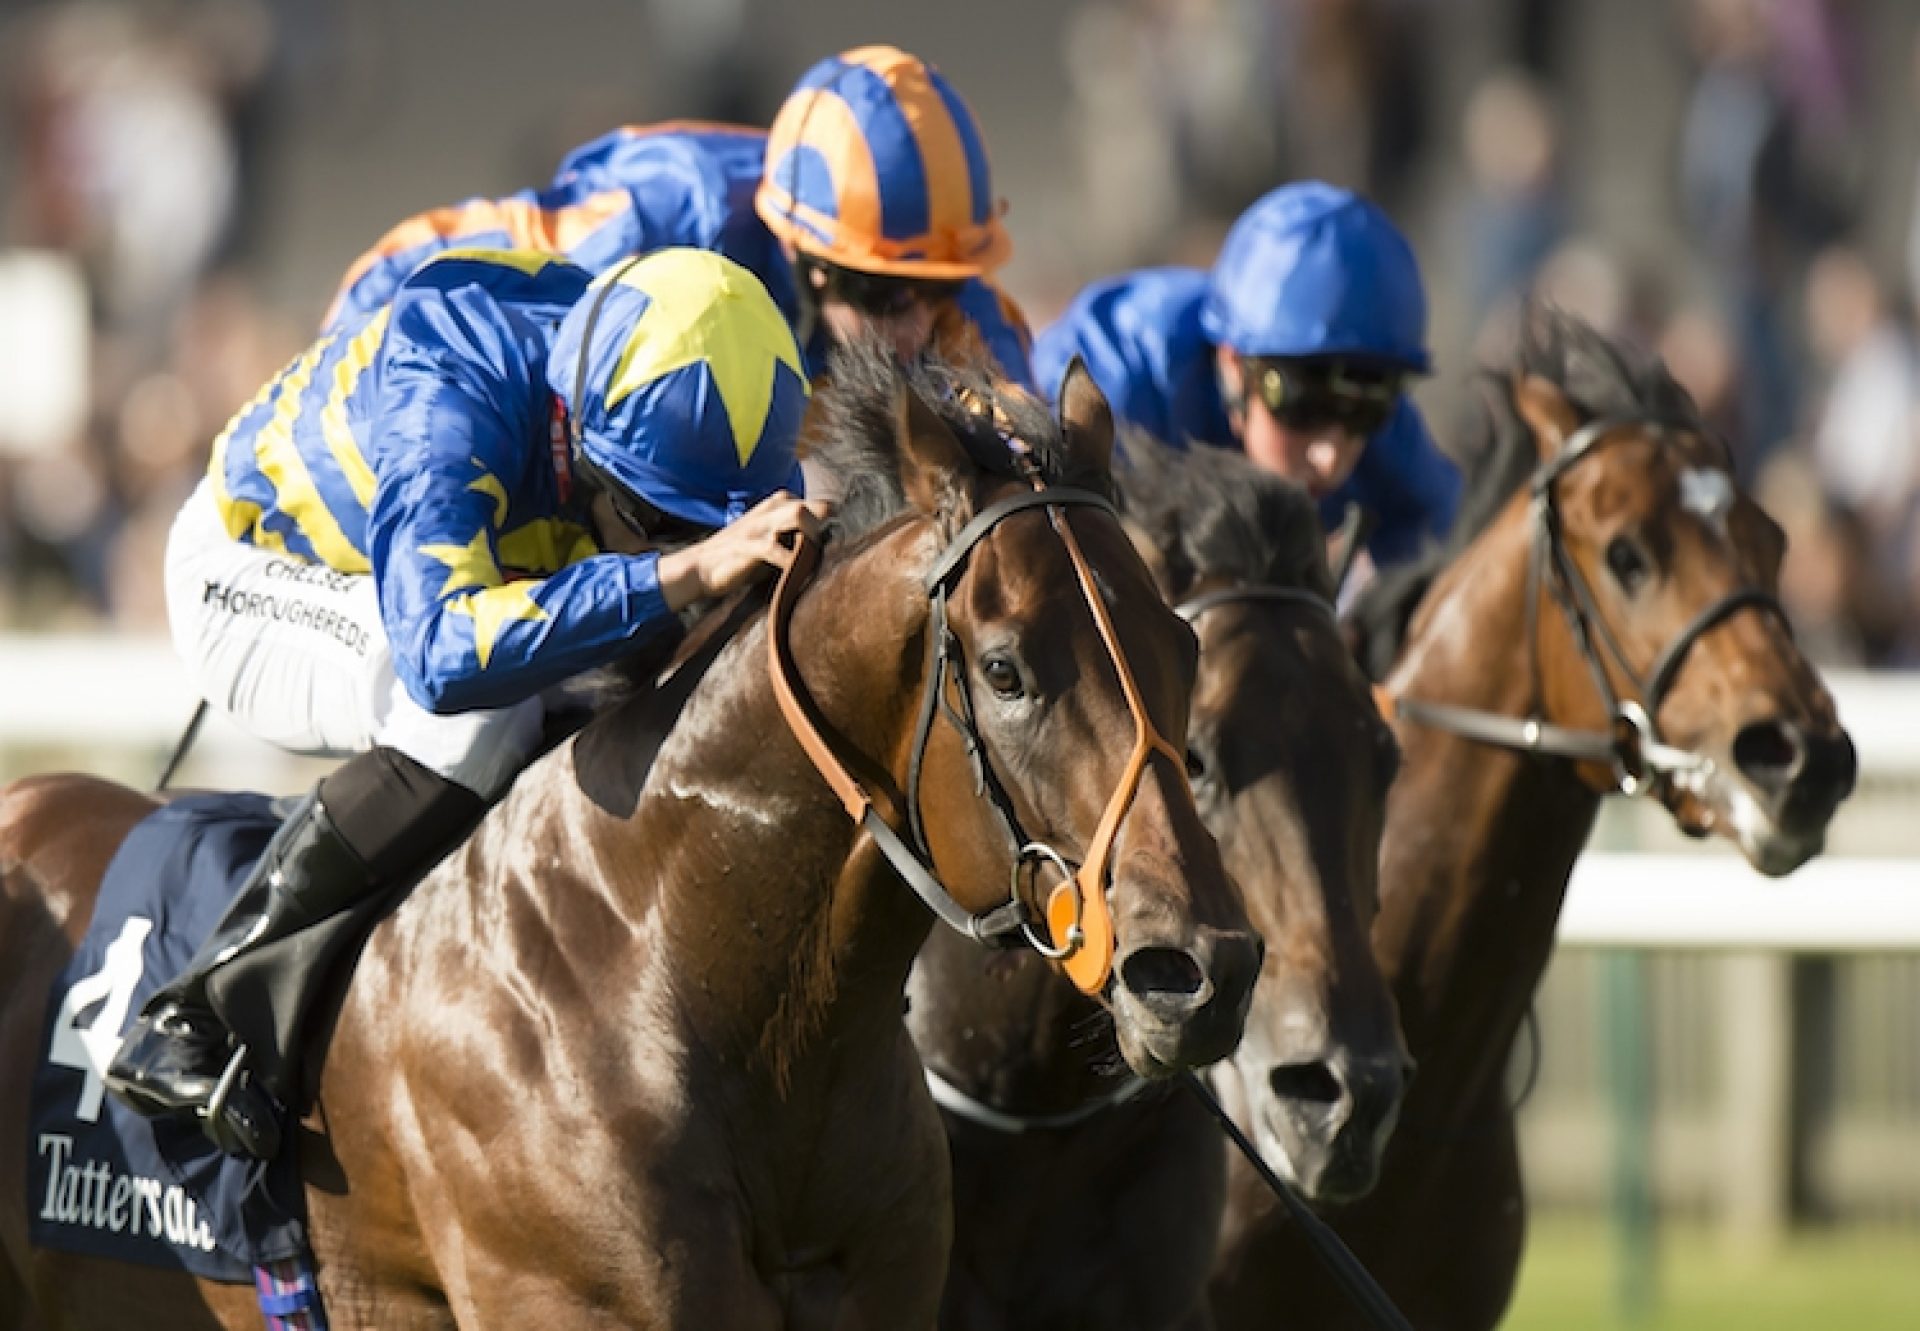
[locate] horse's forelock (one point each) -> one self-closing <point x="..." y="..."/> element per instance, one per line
<point x="1600" y="376"/>
<point x="851" y="432"/>
<point x="1212" y="514"/>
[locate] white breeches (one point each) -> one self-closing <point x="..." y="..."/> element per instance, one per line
<point x="296" y="654"/>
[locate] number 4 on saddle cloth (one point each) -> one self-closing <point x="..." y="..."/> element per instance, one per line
<point x="104" y="1181"/>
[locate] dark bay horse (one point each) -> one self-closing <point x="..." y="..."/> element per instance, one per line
<point x="1080" y="1199"/>
<point x="634" y="1055"/>
<point x="1610" y="582"/>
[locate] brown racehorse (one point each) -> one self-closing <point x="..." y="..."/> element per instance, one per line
<point x="1077" y="1202"/>
<point x="1610" y="581"/>
<point x="634" y="1055"/>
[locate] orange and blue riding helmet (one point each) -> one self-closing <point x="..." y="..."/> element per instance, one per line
<point x="875" y="163"/>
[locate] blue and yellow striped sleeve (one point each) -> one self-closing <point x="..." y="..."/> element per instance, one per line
<point x="463" y="421"/>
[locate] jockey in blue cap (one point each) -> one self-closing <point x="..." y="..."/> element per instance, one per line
<point x="1296" y="347"/>
<point x="868" y="202"/>
<point x="512" y="473"/>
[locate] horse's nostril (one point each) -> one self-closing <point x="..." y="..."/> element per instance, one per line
<point x="1313" y="1083"/>
<point x="1162" y="972"/>
<point x="1770" y="752"/>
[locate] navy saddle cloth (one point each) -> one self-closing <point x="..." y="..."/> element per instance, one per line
<point x="105" y="1181"/>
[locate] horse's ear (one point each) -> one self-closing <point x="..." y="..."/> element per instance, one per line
<point x="1086" y="421"/>
<point x="933" y="464"/>
<point x="1547" y="413"/>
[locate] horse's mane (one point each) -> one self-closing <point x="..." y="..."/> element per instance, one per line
<point x="852" y="434"/>
<point x="1599" y="376"/>
<point x="1212" y="514"/>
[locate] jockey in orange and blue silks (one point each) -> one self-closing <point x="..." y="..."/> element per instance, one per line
<point x="870" y="199"/>
<point x="512" y="473"/>
<point x="1295" y="347"/>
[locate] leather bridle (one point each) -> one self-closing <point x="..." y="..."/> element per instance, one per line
<point x="1074" y="927"/>
<point x="1631" y="746"/>
<point x="1195" y="606"/>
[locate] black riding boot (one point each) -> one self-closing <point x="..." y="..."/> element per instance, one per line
<point x="172" y="1061"/>
<point x="326" y="877"/>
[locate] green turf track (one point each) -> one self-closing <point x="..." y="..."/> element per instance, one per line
<point x="1856" y="1279"/>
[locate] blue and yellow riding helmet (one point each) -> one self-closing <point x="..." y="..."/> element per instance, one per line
<point x="683" y="385"/>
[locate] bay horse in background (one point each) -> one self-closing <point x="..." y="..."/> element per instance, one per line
<point x="1082" y="1200"/>
<point x="634" y="1055"/>
<point x="1610" y="584"/>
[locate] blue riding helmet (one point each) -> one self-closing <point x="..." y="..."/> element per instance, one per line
<point x="1312" y="270"/>
<point x="692" y="392"/>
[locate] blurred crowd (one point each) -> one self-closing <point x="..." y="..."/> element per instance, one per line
<point x="135" y="141"/>
<point x="129" y="326"/>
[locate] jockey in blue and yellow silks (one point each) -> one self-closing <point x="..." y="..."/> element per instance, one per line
<point x="1295" y="347"/>
<point x="512" y="473"/>
<point x="869" y="200"/>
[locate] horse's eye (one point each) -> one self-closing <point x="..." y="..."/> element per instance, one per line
<point x="1003" y="677"/>
<point x="1627" y="564"/>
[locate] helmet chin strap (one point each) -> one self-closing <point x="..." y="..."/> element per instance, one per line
<point x="583" y="473"/>
<point x="806" y="296"/>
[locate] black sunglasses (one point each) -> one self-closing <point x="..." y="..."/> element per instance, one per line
<point x="1301" y="395"/>
<point x="877" y="295"/>
<point x="647" y="521"/>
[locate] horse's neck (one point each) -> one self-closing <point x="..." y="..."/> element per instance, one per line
<point x="1480" y="841"/>
<point x="780" y="934"/>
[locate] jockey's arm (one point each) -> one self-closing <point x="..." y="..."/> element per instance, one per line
<point x="461" y="406"/>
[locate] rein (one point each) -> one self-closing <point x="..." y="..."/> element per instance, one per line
<point x="1075" y="926"/>
<point x="1355" y="1281"/>
<point x="1631" y="746"/>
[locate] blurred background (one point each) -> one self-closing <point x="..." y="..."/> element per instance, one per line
<point x="1731" y="182"/>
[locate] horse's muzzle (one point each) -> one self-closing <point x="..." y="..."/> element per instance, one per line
<point x="1183" y="1005"/>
